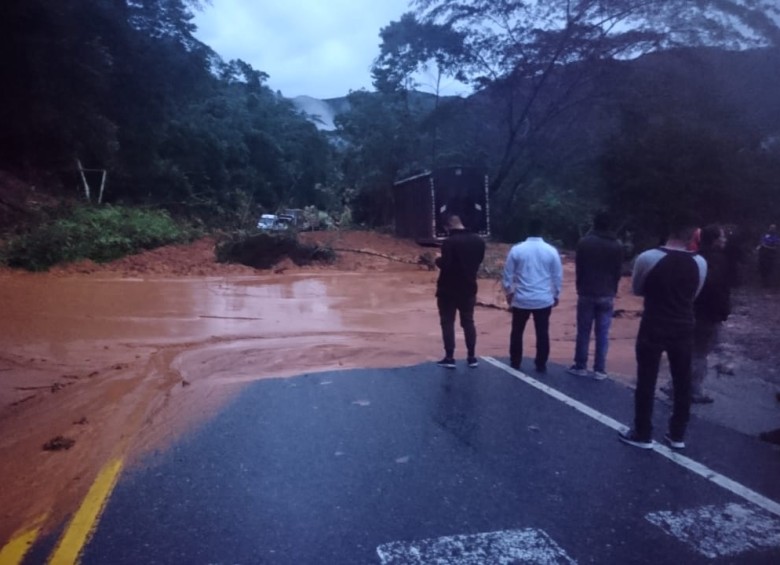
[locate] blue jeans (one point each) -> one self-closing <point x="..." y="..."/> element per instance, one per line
<point x="590" y="310"/>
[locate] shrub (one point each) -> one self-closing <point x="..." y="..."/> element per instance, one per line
<point x="264" y="250"/>
<point x="98" y="233"/>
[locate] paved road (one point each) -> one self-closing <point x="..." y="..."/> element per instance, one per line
<point x="421" y="464"/>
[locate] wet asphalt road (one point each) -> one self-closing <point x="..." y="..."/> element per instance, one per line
<point x="326" y="468"/>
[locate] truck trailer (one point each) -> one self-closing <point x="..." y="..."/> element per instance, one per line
<point x="423" y="202"/>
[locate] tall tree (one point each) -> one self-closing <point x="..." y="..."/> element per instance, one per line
<point x="81" y="68"/>
<point x="518" y="50"/>
<point x="381" y="133"/>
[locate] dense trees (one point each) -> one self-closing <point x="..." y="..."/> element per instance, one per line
<point x="632" y="104"/>
<point x="542" y="68"/>
<point x="125" y="86"/>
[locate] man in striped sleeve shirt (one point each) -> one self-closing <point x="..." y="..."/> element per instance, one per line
<point x="669" y="277"/>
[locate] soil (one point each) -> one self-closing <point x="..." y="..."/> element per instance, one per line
<point x="115" y="360"/>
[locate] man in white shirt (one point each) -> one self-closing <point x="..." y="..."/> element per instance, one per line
<point x="533" y="275"/>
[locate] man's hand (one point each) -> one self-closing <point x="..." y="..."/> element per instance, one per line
<point x="555" y="302"/>
<point x="509" y="297"/>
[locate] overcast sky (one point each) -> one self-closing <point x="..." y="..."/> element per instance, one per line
<point x="320" y="48"/>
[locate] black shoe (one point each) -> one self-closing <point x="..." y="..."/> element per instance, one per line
<point x="632" y="438"/>
<point x="472" y="362"/>
<point x="447" y="362"/>
<point x="674" y="443"/>
<point x="515" y="366"/>
<point x="541" y="369"/>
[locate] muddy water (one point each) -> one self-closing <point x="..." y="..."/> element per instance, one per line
<point x="123" y="366"/>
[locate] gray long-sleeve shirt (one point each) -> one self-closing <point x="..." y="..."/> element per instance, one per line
<point x="669" y="279"/>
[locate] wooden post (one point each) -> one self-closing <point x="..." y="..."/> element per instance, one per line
<point x="83" y="178"/>
<point x="102" y="186"/>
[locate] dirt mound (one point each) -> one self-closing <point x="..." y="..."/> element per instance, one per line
<point x="190" y="259"/>
<point x="355" y="251"/>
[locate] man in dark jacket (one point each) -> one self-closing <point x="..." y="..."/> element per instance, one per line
<point x="768" y="250"/>
<point x="456" y="289"/>
<point x="599" y="261"/>
<point x="711" y="308"/>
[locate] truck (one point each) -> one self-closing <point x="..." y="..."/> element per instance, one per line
<point x="422" y="203"/>
<point x="296" y="217"/>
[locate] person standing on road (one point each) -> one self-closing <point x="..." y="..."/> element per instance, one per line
<point x="669" y="278"/>
<point x="532" y="281"/>
<point x="711" y="308"/>
<point x="767" y="254"/>
<point x="599" y="263"/>
<point x="456" y="288"/>
<point x="734" y="252"/>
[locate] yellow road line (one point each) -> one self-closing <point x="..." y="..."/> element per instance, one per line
<point x="84" y="521"/>
<point x="15" y="550"/>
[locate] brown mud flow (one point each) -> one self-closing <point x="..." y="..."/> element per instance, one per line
<point x="97" y="366"/>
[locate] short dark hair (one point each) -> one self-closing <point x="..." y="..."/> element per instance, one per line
<point x="710" y="234"/>
<point x="683" y="225"/>
<point x="602" y="221"/>
<point x="534" y="227"/>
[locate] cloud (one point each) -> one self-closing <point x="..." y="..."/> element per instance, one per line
<point x="308" y="47"/>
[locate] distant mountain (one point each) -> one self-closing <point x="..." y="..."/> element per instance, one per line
<point x="321" y="112"/>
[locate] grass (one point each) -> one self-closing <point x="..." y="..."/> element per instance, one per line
<point x="101" y="234"/>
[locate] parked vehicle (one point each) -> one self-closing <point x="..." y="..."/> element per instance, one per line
<point x="266" y="222"/>
<point x="297" y="218"/>
<point x="423" y="201"/>
<point x="272" y="222"/>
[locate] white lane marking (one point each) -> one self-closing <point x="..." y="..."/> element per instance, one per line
<point x="569" y="401"/>
<point x="718" y="531"/>
<point x="686" y="462"/>
<point x="506" y="547"/>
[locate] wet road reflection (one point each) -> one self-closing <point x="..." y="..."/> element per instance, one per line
<point x="122" y="366"/>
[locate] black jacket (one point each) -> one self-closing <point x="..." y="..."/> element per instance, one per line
<point x="714" y="301"/>
<point x="599" y="262"/>
<point x="461" y="255"/>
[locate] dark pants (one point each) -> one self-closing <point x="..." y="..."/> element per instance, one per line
<point x="651" y="342"/>
<point x="464" y="305"/>
<point x="766" y="264"/>
<point x="705" y="339"/>
<point x="541" y="325"/>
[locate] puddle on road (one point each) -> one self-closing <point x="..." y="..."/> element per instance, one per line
<point x="125" y="365"/>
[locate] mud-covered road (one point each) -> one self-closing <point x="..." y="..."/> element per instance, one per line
<point x="117" y="360"/>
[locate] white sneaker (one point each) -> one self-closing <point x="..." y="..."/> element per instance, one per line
<point x="573" y="370"/>
<point x="599" y="375"/>
<point x="674" y="443"/>
<point x="631" y="438"/>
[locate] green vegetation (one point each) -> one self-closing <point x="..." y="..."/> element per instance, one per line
<point x="639" y="107"/>
<point x="100" y="234"/>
